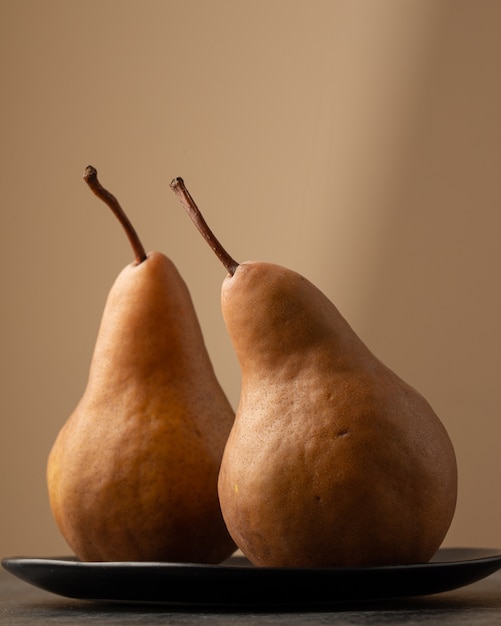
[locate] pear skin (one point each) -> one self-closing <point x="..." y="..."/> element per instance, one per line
<point x="132" y="475"/>
<point x="332" y="459"/>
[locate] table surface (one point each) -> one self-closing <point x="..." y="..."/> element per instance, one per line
<point x="476" y="604"/>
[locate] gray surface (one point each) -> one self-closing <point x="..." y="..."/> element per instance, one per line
<point x="477" y="604"/>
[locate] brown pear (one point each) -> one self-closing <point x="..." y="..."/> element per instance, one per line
<point x="132" y="475"/>
<point x="333" y="460"/>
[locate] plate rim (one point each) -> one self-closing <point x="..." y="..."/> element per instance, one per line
<point x="478" y="554"/>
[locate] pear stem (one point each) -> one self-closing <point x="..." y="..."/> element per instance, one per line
<point x="184" y="196"/>
<point x="90" y="177"/>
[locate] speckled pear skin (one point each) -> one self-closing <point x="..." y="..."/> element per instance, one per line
<point x="132" y="475"/>
<point x="332" y="460"/>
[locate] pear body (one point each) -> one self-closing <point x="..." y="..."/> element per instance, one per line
<point x="332" y="460"/>
<point x="132" y="475"/>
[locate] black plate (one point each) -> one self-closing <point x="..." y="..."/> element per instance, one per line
<point x="236" y="583"/>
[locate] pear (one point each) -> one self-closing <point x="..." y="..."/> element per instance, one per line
<point x="132" y="475"/>
<point x="332" y="460"/>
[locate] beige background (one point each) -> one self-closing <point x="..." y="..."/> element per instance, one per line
<point x="356" y="141"/>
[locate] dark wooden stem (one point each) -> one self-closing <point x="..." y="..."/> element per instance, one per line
<point x="179" y="188"/>
<point x="90" y="177"/>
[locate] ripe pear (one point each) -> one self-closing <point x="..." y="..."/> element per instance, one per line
<point x="132" y="475"/>
<point x="332" y="460"/>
